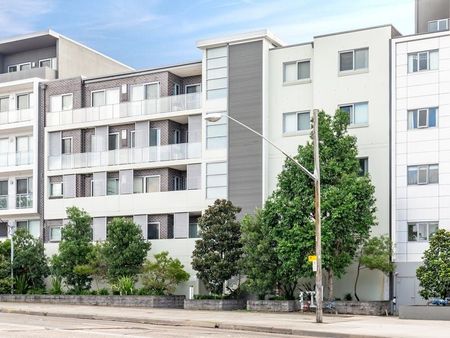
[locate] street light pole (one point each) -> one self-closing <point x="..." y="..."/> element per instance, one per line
<point x="214" y="117"/>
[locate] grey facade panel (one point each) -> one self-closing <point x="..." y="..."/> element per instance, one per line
<point x="181" y="225"/>
<point x="141" y="220"/>
<point x="195" y="128"/>
<point x="141" y="134"/>
<point x="99" y="229"/>
<point x="69" y="186"/>
<point x="245" y="104"/>
<point x="194" y="176"/>
<point x="54" y="143"/>
<point x="126" y="181"/>
<point x="99" y="183"/>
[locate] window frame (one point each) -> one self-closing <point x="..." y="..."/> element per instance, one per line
<point x="416" y="111"/>
<point x="43" y="60"/>
<point x="143" y="180"/>
<point x="297" y="131"/>
<point x="117" y="183"/>
<point x="7" y="98"/>
<point x="117" y="141"/>
<point x="177" y="182"/>
<point x="418" y="224"/>
<point x="51" y="239"/>
<point x="17" y="100"/>
<point x="418" y="61"/>
<point x="62" y="145"/>
<point x="132" y="138"/>
<point x="18" y="65"/>
<point x="104" y="97"/>
<point x="51" y="195"/>
<point x="417" y="168"/>
<point x="192" y="85"/>
<point x="353" y="70"/>
<point x="366" y="165"/>
<point x="438" y="21"/>
<point x="297" y="62"/>
<point x="159" y="230"/>
<point x="352" y="113"/>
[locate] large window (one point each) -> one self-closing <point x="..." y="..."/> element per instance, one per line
<point x="146" y="184"/>
<point x="358" y="112"/>
<point x="423" y="174"/>
<point x="438" y="25"/>
<point x="421" y="231"/>
<point x="422" y="118"/>
<point x="32" y="226"/>
<point x="354" y="59"/>
<point x="104" y="97"/>
<point x="147" y="91"/>
<point x="216" y="134"/>
<point x="363" y="166"/>
<point x="113" y="141"/>
<point x="3" y="194"/>
<point x="193" y="230"/>
<point x="178" y="183"/>
<point x="66" y="145"/>
<point x="153" y="230"/>
<point x="296" y="121"/>
<point x="216" y="72"/>
<point x="22" y="101"/>
<point x="56" y="190"/>
<point x="112" y="186"/>
<point x="61" y="102"/>
<point x="24" y="190"/>
<point x="216" y="180"/>
<point x="155" y="137"/>
<point x="55" y="233"/>
<point x="298" y="70"/>
<point x="423" y="61"/>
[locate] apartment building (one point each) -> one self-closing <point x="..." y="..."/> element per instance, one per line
<point x="420" y="142"/>
<point x="25" y="62"/>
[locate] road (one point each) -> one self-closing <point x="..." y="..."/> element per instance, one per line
<point x="18" y="325"/>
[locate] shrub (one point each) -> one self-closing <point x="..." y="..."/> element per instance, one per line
<point x="124" y="286"/>
<point x="103" y="292"/>
<point x="161" y="276"/>
<point x="56" y="286"/>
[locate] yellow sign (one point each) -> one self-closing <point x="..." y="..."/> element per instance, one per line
<point x="312" y="258"/>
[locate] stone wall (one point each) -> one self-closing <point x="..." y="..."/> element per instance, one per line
<point x="424" y="312"/>
<point x="272" y="305"/>
<point x="373" y="308"/>
<point x="214" y="304"/>
<point x="170" y="302"/>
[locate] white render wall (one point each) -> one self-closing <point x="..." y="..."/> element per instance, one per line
<point x="326" y="90"/>
<point x="419" y="146"/>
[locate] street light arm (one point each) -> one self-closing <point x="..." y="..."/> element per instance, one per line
<point x="311" y="175"/>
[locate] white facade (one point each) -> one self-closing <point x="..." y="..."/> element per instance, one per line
<point x="420" y="205"/>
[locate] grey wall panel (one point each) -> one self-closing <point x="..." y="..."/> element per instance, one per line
<point x="181" y="225"/>
<point x="126" y="181"/>
<point x="194" y="177"/>
<point x="99" y="184"/>
<point x="245" y="104"/>
<point x="101" y="138"/>
<point x="99" y="229"/>
<point x="195" y="128"/>
<point x="54" y="143"/>
<point x="69" y="186"/>
<point x="141" y="220"/>
<point x="142" y="134"/>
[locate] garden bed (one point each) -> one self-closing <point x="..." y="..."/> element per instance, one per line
<point x="372" y="308"/>
<point x="214" y="304"/>
<point x="170" y="302"/>
<point x="424" y="312"/>
<point x="272" y="305"/>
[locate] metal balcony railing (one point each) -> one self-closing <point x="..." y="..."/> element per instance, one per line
<point x="24" y="201"/>
<point x="13" y="116"/>
<point x="171" y="152"/>
<point x="3" y="202"/>
<point x="16" y="159"/>
<point x="165" y="104"/>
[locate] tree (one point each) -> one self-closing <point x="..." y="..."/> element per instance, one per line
<point x="74" y="250"/>
<point x="375" y="254"/>
<point x="259" y="262"/>
<point x="30" y="263"/>
<point x="125" y="249"/>
<point x="97" y="263"/>
<point x="217" y="253"/>
<point x="348" y="204"/>
<point x="434" y="274"/>
<point x="162" y="276"/>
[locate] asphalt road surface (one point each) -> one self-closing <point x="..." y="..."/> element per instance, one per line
<point x="18" y="325"/>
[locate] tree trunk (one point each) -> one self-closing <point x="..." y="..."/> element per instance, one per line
<point x="330" y="285"/>
<point x="356" y="280"/>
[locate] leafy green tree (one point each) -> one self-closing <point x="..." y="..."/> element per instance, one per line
<point x="375" y="254"/>
<point x="125" y="249"/>
<point x="74" y="251"/>
<point x="98" y="264"/>
<point x="162" y="276"/>
<point x="259" y="262"/>
<point x="434" y="274"/>
<point x="217" y="253"/>
<point x="5" y="267"/>
<point x="348" y="204"/>
<point x="30" y="262"/>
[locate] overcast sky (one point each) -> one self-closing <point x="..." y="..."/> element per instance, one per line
<point x="148" y="33"/>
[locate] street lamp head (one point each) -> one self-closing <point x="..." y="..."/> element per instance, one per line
<point x="213" y="117"/>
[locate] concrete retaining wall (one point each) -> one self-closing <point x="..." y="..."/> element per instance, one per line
<point x="171" y="302"/>
<point x="272" y="305"/>
<point x="214" y="304"/>
<point x="432" y="312"/>
<point x="373" y="308"/>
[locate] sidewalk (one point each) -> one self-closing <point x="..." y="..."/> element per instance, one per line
<point x="289" y="323"/>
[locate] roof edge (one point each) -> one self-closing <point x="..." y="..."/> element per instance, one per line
<point x="241" y="37"/>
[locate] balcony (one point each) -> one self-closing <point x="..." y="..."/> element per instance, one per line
<point x="45" y="73"/>
<point x="166" y="104"/>
<point x="3" y="202"/>
<point x="14" y="116"/>
<point x="171" y="152"/>
<point x="15" y="159"/>
<point x="24" y="201"/>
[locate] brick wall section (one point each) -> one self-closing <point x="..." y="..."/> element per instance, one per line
<point x="191" y="80"/>
<point x="162" y="172"/>
<point x="118" y="129"/>
<point x="163" y="220"/>
<point x="183" y="128"/>
<point x="83" y="183"/>
<point x="77" y="140"/>
<point x="66" y="86"/>
<point x="55" y="179"/>
<point x="176" y="173"/>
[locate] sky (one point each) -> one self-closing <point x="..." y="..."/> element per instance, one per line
<point x="150" y="33"/>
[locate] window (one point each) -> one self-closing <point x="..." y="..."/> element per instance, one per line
<point x="4" y="103"/>
<point x="178" y="183"/>
<point x="354" y="59"/>
<point x="12" y="69"/>
<point x="177" y="136"/>
<point x="423" y="174"/>
<point x="19" y="67"/>
<point x="363" y="166"/>
<point x="216" y="180"/>
<point x="61" y="102"/>
<point x="358" y="112"/>
<point x="193" y="230"/>
<point x="145" y="92"/>
<point x="3" y="195"/>
<point x="23" y="149"/>
<point x="147" y="184"/>
<point x="66" y="145"/>
<point x="67" y="102"/>
<point x="55" y="233"/>
<point x="216" y="134"/>
<point x="216" y="72"/>
<point x="438" y="25"/>
<point x="113" y="141"/>
<point x="3" y="229"/>
<point x="153" y="230"/>
<point x="56" y="189"/>
<point x="25" y="66"/>
<point x="422" y="118"/>
<point x="297" y="121"/>
<point x="421" y="231"/>
<point x="155" y="137"/>
<point x="423" y="61"/>
<point x="176" y="89"/>
<point x="23" y="101"/>
<point x="32" y="226"/>
<point x="132" y="139"/>
<point x="112" y="186"/>
<point x="299" y="70"/>
<point x="194" y="88"/>
<point x="24" y="189"/>
<point x="103" y="97"/>
<point x="98" y="99"/>
<point x="45" y="63"/>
